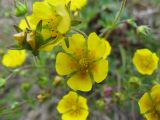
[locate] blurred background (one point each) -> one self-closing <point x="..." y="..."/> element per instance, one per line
<point x="33" y="91"/>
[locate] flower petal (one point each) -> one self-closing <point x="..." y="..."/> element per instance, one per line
<point x="96" y="45"/>
<point x="76" y="45"/>
<point x="80" y="81"/>
<point x="145" y="103"/>
<point x="65" y="64"/>
<point x="100" y="70"/>
<point x="81" y="115"/>
<point x="14" y="58"/>
<point x="65" y="104"/>
<point x="108" y="48"/>
<point x="145" y="61"/>
<point x="64" y="25"/>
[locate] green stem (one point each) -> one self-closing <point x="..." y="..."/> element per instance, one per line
<point x="78" y="31"/>
<point x="115" y="20"/>
<point x="27" y="22"/>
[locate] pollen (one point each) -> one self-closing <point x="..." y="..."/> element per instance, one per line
<point x="84" y="64"/>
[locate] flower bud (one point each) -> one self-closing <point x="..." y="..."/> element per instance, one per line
<point x="19" y="37"/>
<point x="31" y="40"/>
<point x="41" y="98"/>
<point x="118" y="96"/>
<point x="100" y="104"/>
<point x="26" y="87"/>
<point x="134" y="82"/>
<point x="143" y="31"/>
<point x="57" y="80"/>
<point x="20" y="9"/>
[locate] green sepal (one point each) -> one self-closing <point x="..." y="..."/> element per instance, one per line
<point x="67" y="42"/>
<point x="17" y="29"/>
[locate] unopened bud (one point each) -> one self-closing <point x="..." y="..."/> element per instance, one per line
<point x="143" y="31"/>
<point x="31" y="39"/>
<point x="134" y="82"/>
<point x="41" y="97"/>
<point x="119" y="96"/>
<point x="19" y="37"/>
<point x="57" y="80"/>
<point x="20" y="9"/>
<point x="100" y="104"/>
<point x="26" y="87"/>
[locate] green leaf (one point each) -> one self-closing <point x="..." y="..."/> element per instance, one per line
<point x="2" y="82"/>
<point x="14" y="105"/>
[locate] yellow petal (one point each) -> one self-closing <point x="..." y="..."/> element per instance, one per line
<point x="108" y="48"/>
<point x="65" y="104"/>
<point x="14" y="58"/>
<point x="65" y="22"/>
<point x="145" y="103"/>
<point x="156" y="87"/>
<point x="65" y="64"/>
<point x="97" y="46"/>
<point x="83" y="102"/>
<point x="76" y="4"/>
<point x="81" y="115"/>
<point x="76" y="45"/>
<point x="80" y="81"/>
<point x="152" y="116"/>
<point x="145" y="61"/>
<point x="23" y="25"/>
<point x="100" y="70"/>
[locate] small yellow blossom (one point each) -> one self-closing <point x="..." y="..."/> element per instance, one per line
<point x="145" y="61"/>
<point x="84" y="61"/>
<point x="55" y="21"/>
<point x="76" y="4"/>
<point x="150" y="104"/>
<point x="73" y="107"/>
<point x="14" y="58"/>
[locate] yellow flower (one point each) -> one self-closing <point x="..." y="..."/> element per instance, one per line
<point x="83" y="61"/>
<point x="14" y="58"/>
<point x="150" y="104"/>
<point x="76" y="4"/>
<point x="145" y="61"/>
<point x="55" y="21"/>
<point x="73" y="107"/>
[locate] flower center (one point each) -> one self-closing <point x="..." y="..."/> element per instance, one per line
<point x="84" y="64"/>
<point x="74" y="108"/>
